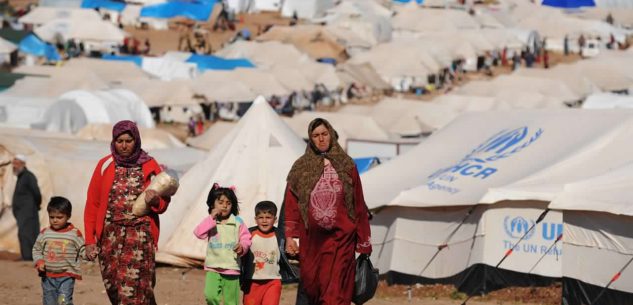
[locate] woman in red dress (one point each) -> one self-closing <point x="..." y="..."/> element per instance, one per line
<point x="325" y="209"/>
<point x="124" y="243"/>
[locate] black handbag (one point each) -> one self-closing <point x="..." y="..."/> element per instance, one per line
<point x="366" y="280"/>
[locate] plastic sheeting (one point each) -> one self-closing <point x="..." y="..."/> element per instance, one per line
<point x="113" y="5"/>
<point x="196" y="9"/>
<point x="210" y="62"/>
<point x="568" y="3"/>
<point x="33" y="45"/>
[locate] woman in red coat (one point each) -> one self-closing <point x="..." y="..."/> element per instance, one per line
<point x="124" y="243"/>
<point x="325" y="209"/>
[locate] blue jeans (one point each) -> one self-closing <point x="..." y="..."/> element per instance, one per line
<point x="58" y="290"/>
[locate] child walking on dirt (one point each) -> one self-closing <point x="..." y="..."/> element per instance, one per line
<point x="228" y="239"/>
<point x="265" y="266"/>
<point x="57" y="254"/>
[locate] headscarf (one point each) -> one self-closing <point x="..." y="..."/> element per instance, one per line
<point x="307" y="170"/>
<point x="138" y="156"/>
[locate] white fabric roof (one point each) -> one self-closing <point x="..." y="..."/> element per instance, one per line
<point x="611" y="192"/>
<point x="6" y="46"/>
<point x="21" y="112"/>
<point x="43" y="14"/>
<point x="151" y="138"/>
<point x="156" y="93"/>
<point x="406" y="117"/>
<point x="212" y="136"/>
<point x="75" y="109"/>
<point x="608" y="101"/>
<point x="80" y="30"/>
<point x="479" y="151"/>
<point x="348" y="126"/>
<point x="551" y="88"/>
<point x="413" y="18"/>
<point x="255" y="157"/>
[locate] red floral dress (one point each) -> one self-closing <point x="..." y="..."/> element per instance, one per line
<point x="127" y="248"/>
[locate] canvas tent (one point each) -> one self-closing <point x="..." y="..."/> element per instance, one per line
<point x="255" y="157"/>
<point x="51" y="156"/>
<point x="608" y="101"/>
<point x="438" y="188"/>
<point x="75" y="109"/>
<point x="212" y="136"/>
<point x="21" y="112"/>
<point x="306" y="9"/>
<point x="597" y="216"/>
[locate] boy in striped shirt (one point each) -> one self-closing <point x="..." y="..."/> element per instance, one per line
<point x="57" y="254"/>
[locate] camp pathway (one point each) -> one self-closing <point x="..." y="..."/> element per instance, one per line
<point x="19" y="284"/>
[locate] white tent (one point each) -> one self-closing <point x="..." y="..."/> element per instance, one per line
<point x="607" y="101"/>
<point x="153" y="138"/>
<point x="63" y="165"/>
<point x="597" y="217"/>
<point x="349" y="126"/>
<point x="212" y="136"/>
<point x="306" y="9"/>
<point x="76" y="109"/>
<point x="438" y="188"/>
<point x="407" y="118"/>
<point x="255" y="157"/>
<point x="22" y="111"/>
<point x="40" y="15"/>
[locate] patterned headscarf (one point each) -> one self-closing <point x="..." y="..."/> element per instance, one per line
<point x="307" y="170"/>
<point x="138" y="156"/>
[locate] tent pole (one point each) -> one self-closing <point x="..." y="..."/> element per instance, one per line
<point x="560" y="236"/>
<point x="540" y="218"/>
<point x="448" y="238"/>
<point x="613" y="279"/>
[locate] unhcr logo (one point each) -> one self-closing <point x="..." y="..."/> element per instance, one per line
<point x="477" y="163"/>
<point x="518" y="226"/>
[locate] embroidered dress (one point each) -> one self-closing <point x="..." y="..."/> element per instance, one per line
<point x="127" y="248"/>
<point x="328" y="248"/>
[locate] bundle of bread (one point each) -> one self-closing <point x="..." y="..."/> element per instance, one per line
<point x="164" y="184"/>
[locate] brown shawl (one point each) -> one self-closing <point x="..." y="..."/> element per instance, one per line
<point x="307" y="170"/>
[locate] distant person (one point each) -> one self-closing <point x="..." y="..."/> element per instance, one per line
<point x="566" y="45"/>
<point x="581" y="43"/>
<point x="26" y="203"/>
<point x="610" y="19"/>
<point x="58" y="252"/>
<point x="265" y="266"/>
<point x="228" y="239"/>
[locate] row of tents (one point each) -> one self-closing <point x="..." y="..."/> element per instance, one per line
<point x="448" y="210"/>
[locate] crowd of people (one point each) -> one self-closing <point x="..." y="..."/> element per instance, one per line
<point x="323" y="222"/>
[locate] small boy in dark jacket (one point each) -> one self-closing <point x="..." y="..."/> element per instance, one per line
<point x="265" y="266"/>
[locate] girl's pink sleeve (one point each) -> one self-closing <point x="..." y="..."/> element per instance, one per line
<point x="245" y="238"/>
<point x="202" y="229"/>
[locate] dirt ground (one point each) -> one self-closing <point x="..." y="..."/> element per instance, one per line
<point x="19" y="284"/>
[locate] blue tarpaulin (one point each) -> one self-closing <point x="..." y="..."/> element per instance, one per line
<point x="106" y="4"/>
<point x="568" y="3"/>
<point x="365" y="164"/>
<point x="31" y="44"/>
<point x="210" y="62"/>
<point x="138" y="60"/>
<point x="193" y="9"/>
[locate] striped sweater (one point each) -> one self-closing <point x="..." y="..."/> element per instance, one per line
<point x="60" y="251"/>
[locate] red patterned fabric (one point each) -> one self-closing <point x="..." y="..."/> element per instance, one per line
<point x="127" y="249"/>
<point x="327" y="246"/>
<point x="98" y="196"/>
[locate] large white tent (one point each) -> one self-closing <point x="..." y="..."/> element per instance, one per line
<point x="306" y="9"/>
<point x="63" y="165"/>
<point x="75" y="109"/>
<point x="597" y="218"/>
<point x="439" y="186"/>
<point x="255" y="157"/>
